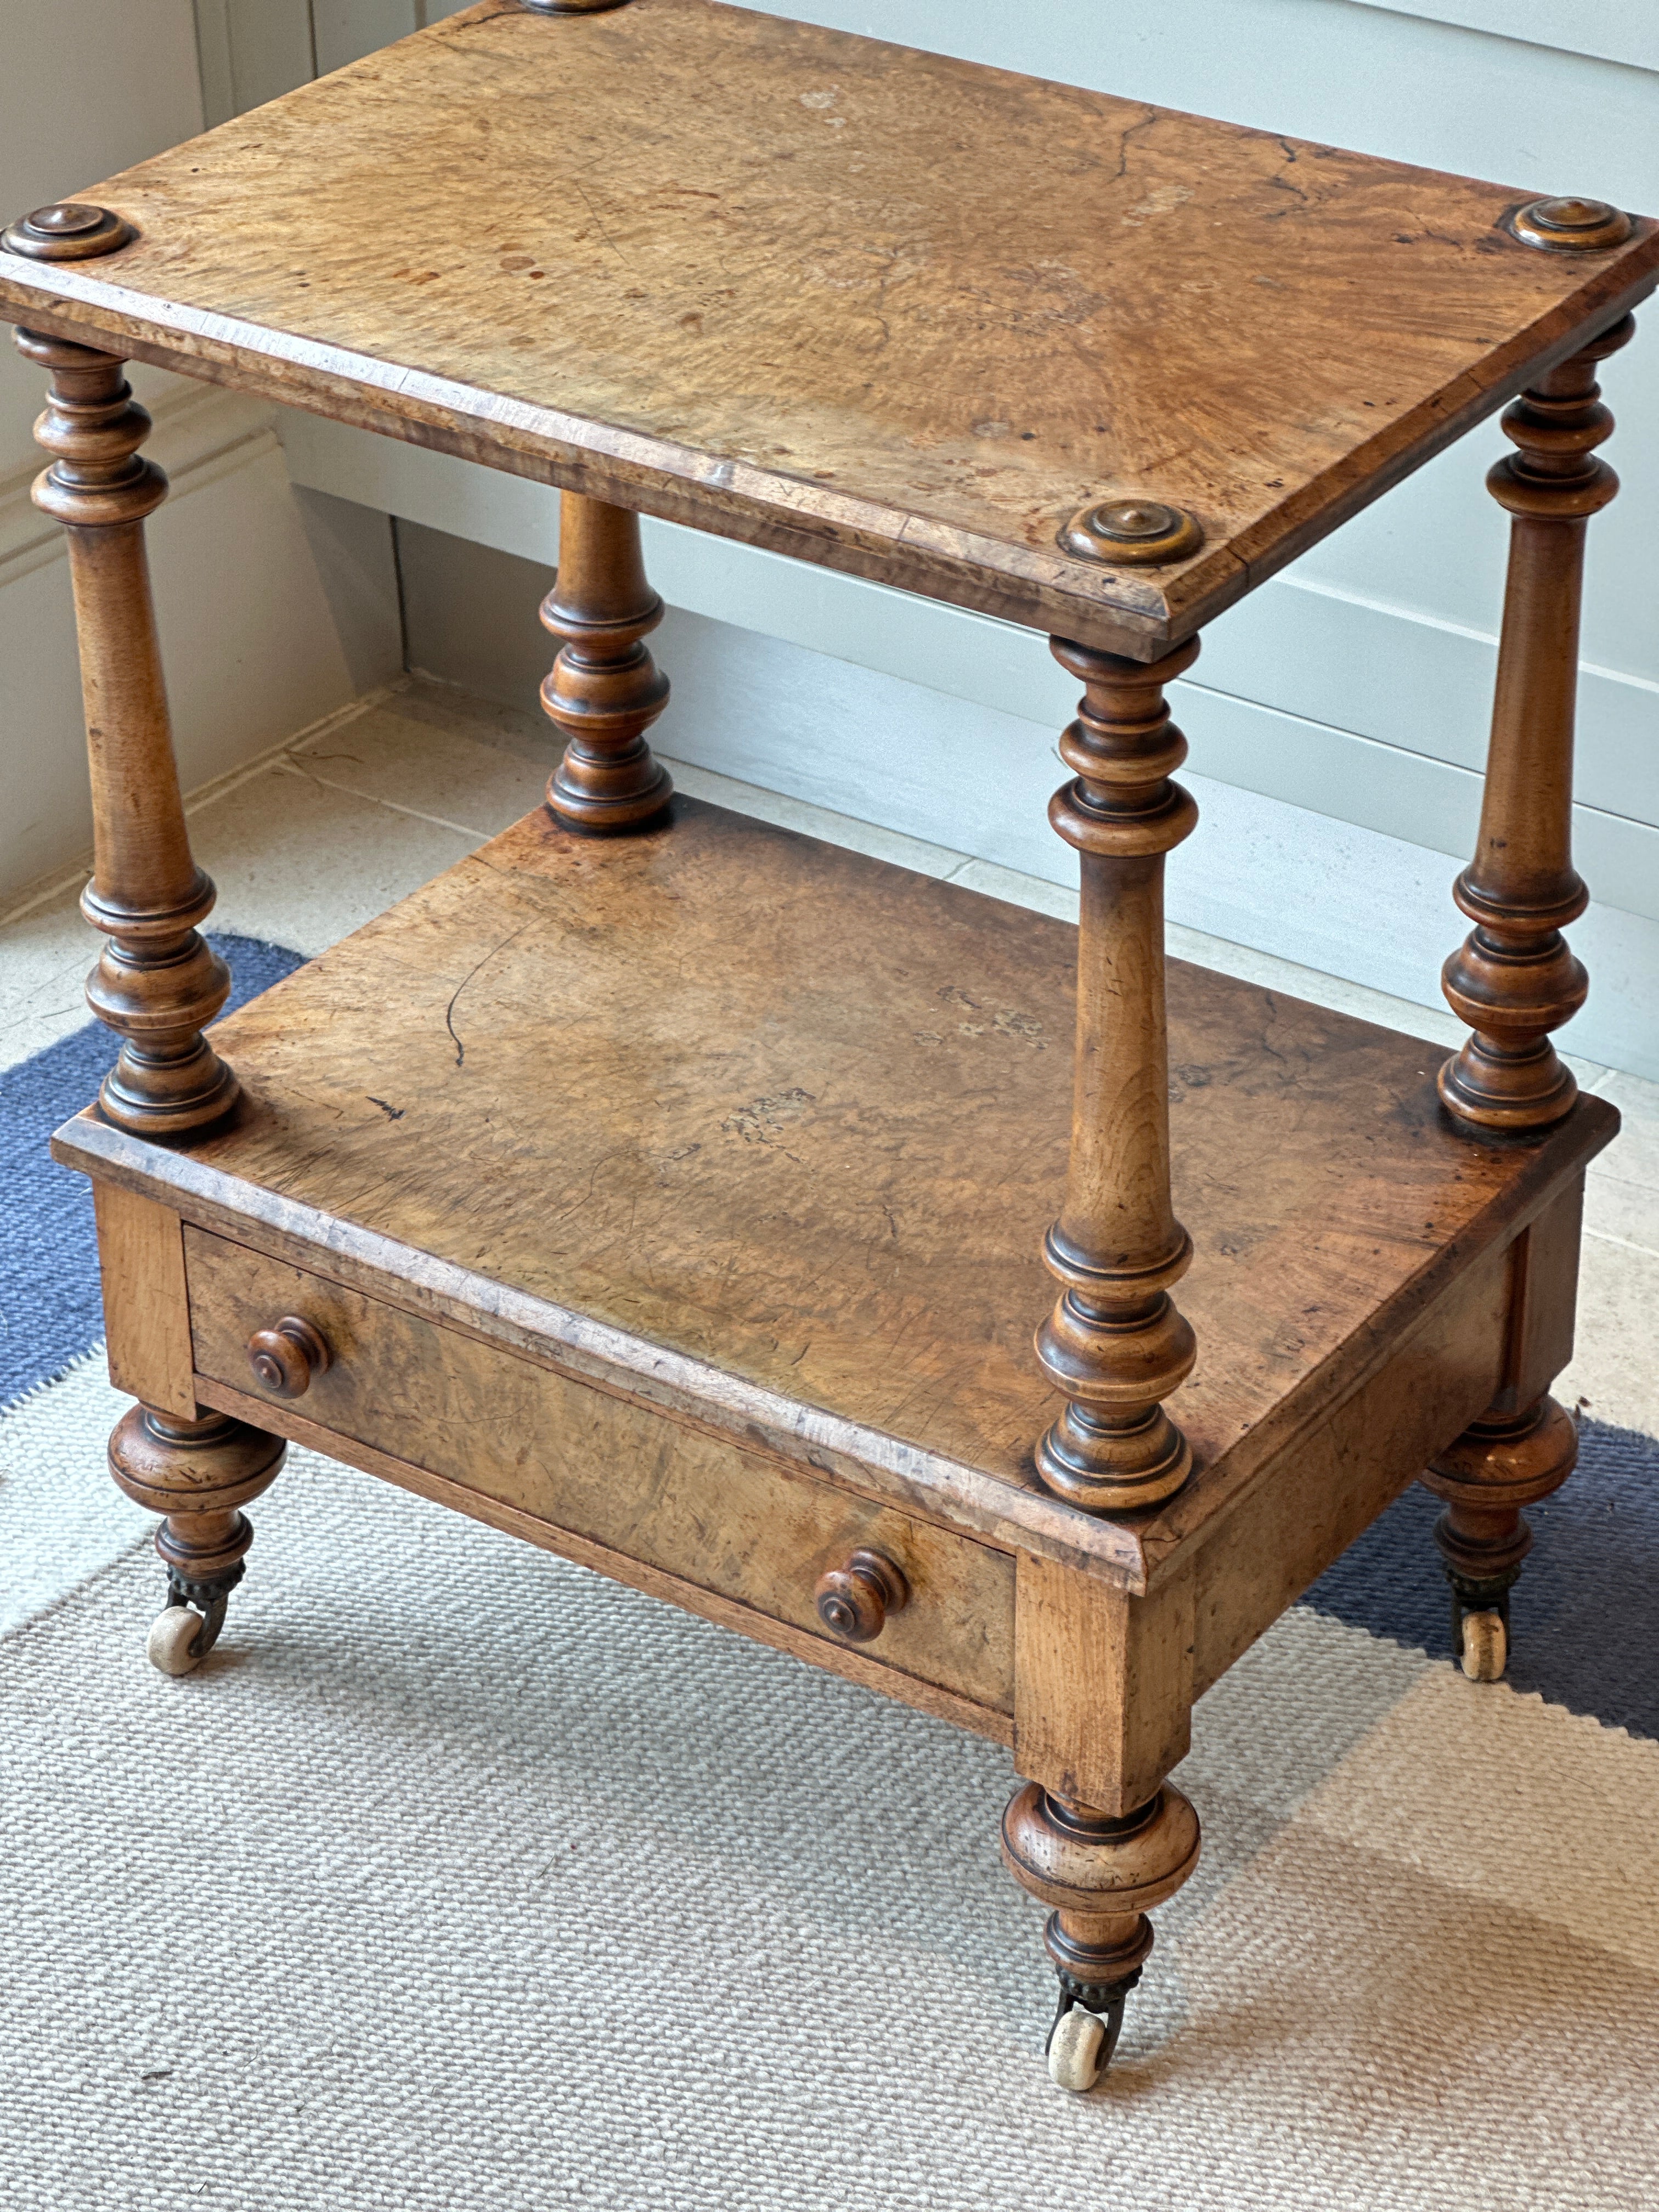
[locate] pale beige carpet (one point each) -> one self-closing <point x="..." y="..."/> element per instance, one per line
<point x="459" y="1878"/>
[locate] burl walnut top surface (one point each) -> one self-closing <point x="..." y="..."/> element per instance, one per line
<point x="803" y="1117"/>
<point x="875" y="307"/>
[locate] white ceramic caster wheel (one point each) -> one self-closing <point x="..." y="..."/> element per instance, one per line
<point x="172" y="1640"/>
<point x="1075" y="2050"/>
<point x="1485" y="1647"/>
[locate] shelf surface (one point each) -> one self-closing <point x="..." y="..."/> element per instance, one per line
<point x="870" y="306"/>
<point x="792" y="1122"/>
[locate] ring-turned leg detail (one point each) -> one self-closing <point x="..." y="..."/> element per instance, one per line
<point x="1514" y="980"/>
<point x="1100" y="1876"/>
<point x="1115" y="1343"/>
<point x="604" y="690"/>
<point x="1500" y="1464"/>
<point x="198" y="1474"/>
<point x="158" y="983"/>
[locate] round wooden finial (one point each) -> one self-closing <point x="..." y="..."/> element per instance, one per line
<point x="1571" y="226"/>
<point x="71" y="231"/>
<point x="1142" y="532"/>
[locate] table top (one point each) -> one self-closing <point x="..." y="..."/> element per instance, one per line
<point x="794" y="1177"/>
<point x="878" y="308"/>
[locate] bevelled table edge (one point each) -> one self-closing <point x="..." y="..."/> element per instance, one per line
<point x="885" y="1468"/>
<point x="1127" y="613"/>
<point x="1130" y="1553"/>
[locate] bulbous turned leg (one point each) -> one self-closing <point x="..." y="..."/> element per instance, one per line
<point x="604" y="690"/>
<point x="1102" y="1876"/>
<point x="198" y="1474"/>
<point x="1500" y="1464"/>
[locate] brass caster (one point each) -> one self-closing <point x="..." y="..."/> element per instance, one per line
<point x="1484" y="1652"/>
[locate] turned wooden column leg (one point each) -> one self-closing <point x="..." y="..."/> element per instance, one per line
<point x="1514" y="980"/>
<point x="1523" y="1447"/>
<point x="604" y="690"/>
<point x="1115" y="1344"/>
<point x="1101" y="1875"/>
<point x="198" y="1473"/>
<point x="1501" y="1462"/>
<point x="157" y="983"/>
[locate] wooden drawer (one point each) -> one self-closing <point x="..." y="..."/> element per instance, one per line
<point x="610" y="1472"/>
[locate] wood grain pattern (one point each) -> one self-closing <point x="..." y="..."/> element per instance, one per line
<point x="875" y="307"/>
<point x="141" y="1259"/>
<point x="158" y="982"/>
<point x="1103" y="1684"/>
<point x="604" y="690"/>
<point x="642" y="1122"/>
<point x="1523" y="1446"/>
<point x="605" y="1469"/>
<point x="1332" y="1479"/>
<point x="1515" y="979"/>
<point x="1543" y="1300"/>
<point x="1115" y="1342"/>
<point x="728" y="1612"/>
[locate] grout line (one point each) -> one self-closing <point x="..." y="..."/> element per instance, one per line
<point x="414" y="813"/>
<point x="1623" y="1243"/>
<point x="216" y="787"/>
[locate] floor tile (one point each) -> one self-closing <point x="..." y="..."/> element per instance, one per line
<point x="44" y="959"/>
<point x="1613" y="1373"/>
<point x="1229" y="959"/>
<point x="299" y="863"/>
<point x="1625" y="1213"/>
<point x="428" y="758"/>
<point x="1633" y="1156"/>
<point x="1059" y="900"/>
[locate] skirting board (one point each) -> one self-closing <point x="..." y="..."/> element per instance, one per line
<point x="852" y="697"/>
<point x="275" y="607"/>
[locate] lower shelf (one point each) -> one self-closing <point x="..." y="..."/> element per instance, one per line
<point x="762" y="1137"/>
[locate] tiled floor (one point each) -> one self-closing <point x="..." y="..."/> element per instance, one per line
<point x="351" y="818"/>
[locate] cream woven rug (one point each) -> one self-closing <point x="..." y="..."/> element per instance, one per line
<point x="458" y="1878"/>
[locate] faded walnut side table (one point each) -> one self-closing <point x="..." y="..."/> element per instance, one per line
<point x="682" y="1194"/>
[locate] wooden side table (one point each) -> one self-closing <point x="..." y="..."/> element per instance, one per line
<point x="671" y="1190"/>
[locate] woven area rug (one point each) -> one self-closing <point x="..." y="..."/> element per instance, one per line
<point x="460" y="1878"/>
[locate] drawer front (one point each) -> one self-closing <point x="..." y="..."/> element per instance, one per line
<point x="683" y="1501"/>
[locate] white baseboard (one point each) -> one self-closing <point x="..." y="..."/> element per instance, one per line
<point x="275" y="607"/>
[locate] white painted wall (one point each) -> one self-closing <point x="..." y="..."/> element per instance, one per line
<point x="275" y="605"/>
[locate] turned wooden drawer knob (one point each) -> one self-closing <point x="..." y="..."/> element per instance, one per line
<point x="854" y="1601"/>
<point x="285" y="1358"/>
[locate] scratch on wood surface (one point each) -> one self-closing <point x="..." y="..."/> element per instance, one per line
<point x="449" y="1011"/>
